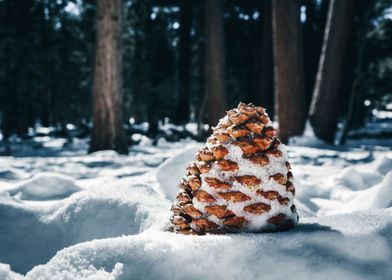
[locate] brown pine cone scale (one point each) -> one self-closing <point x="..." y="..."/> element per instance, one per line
<point x="263" y="142"/>
<point x="278" y="219"/>
<point x="204" y="167"/>
<point x="271" y="195"/>
<point x="192" y="211"/>
<point x="204" y="196"/>
<point x="234" y="196"/>
<point x="279" y="178"/>
<point x="247" y="180"/>
<point x="274" y="153"/>
<point x="216" y="210"/>
<point x="227" y="165"/>
<point x="290" y="187"/>
<point x="205" y="224"/>
<point x="247" y="147"/>
<point x="194" y="182"/>
<point x="180" y="222"/>
<point x="219" y="152"/>
<point x="235" y="221"/>
<point x="205" y="155"/>
<point x="184" y="197"/>
<point x="237" y="131"/>
<point x="192" y="169"/>
<point x="223" y="137"/>
<point x="270" y="132"/>
<point x="237" y="118"/>
<point x="259" y="159"/>
<point x="257" y="208"/>
<point x="255" y="126"/>
<point x="247" y="110"/>
<point x="217" y="184"/>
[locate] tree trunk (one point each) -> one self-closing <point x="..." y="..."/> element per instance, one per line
<point x="214" y="61"/>
<point x="183" y="107"/>
<point x="288" y="68"/>
<point x="266" y="68"/>
<point x="108" y="132"/>
<point x="354" y="95"/>
<point x="313" y="39"/>
<point x="324" y="111"/>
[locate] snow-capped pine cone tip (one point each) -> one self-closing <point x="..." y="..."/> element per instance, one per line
<point x="240" y="180"/>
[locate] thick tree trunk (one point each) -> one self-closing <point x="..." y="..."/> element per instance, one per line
<point x="183" y="107"/>
<point x="266" y="68"/>
<point x="108" y="132"/>
<point x="288" y="68"/>
<point x="214" y="61"/>
<point x="324" y="109"/>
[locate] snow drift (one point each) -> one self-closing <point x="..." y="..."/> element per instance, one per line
<point x="45" y="186"/>
<point x="32" y="234"/>
<point x="101" y="216"/>
<point x="170" y="171"/>
<point x="329" y="248"/>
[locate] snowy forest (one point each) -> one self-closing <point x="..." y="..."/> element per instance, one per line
<point x="210" y="139"/>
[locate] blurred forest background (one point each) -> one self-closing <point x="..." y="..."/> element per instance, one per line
<point x="110" y="68"/>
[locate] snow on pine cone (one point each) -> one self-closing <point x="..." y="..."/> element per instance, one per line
<point x="240" y="181"/>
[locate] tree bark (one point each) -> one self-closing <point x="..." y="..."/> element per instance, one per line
<point x="266" y="68"/>
<point x="214" y="61"/>
<point x="324" y="109"/>
<point x="183" y="107"/>
<point x="354" y="95"/>
<point x="288" y="68"/>
<point x="108" y="132"/>
<point x="313" y="39"/>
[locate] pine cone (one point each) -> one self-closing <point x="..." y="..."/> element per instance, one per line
<point x="240" y="180"/>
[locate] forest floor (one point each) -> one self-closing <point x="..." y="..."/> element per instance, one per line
<point x="67" y="215"/>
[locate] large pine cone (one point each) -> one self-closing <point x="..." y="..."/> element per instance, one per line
<point x="240" y="181"/>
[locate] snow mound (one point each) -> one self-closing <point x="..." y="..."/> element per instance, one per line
<point x="7" y="274"/>
<point x="357" y="188"/>
<point x="170" y="171"/>
<point x="39" y="231"/>
<point x="383" y="165"/>
<point x="106" y="154"/>
<point x="334" y="248"/>
<point x="345" y="201"/>
<point x="46" y="186"/>
<point x="12" y="173"/>
<point x="355" y="179"/>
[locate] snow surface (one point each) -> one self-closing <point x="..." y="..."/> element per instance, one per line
<point x="354" y="246"/>
<point x="45" y="186"/>
<point x="101" y="216"/>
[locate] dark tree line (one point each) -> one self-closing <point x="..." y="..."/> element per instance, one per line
<point x="99" y="64"/>
<point x="46" y="65"/>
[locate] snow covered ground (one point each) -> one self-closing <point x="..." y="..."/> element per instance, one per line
<point x="66" y="215"/>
